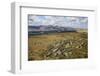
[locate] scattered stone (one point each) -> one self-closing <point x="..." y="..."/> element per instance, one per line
<point x="54" y="50"/>
<point x="63" y="48"/>
<point x="70" y="53"/>
<point x="67" y="45"/>
<point x="66" y="54"/>
<point x="77" y="46"/>
<point x="59" y="52"/>
<point x="54" y="54"/>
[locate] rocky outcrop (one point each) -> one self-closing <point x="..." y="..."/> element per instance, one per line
<point x="66" y="49"/>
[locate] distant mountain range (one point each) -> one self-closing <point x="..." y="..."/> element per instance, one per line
<point x="42" y="29"/>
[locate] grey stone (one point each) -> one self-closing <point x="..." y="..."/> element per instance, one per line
<point x="66" y="54"/>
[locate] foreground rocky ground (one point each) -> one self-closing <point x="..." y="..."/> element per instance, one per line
<point x="58" y="46"/>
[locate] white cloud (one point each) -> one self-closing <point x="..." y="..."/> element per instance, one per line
<point x="58" y="21"/>
<point x="71" y="18"/>
<point x="84" y="20"/>
<point x="48" y="20"/>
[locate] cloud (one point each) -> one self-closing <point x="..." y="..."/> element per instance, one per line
<point x="34" y="20"/>
<point x="84" y="20"/>
<point x="49" y="20"/>
<point x="76" y="22"/>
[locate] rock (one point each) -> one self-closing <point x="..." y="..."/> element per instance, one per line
<point x="54" y="54"/>
<point x="71" y="43"/>
<point x="59" y="52"/>
<point x="77" y="46"/>
<point x="49" y="53"/>
<point x="67" y="45"/>
<point x="56" y="45"/>
<point x="70" y="53"/>
<point x="54" y="50"/>
<point x="66" y="54"/>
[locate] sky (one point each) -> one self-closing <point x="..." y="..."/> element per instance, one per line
<point x="64" y="21"/>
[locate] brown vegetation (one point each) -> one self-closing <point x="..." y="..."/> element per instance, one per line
<point x="69" y="45"/>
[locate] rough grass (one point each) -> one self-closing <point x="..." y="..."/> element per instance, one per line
<point x="69" y="45"/>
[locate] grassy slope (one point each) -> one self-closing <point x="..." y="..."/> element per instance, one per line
<point x="39" y="46"/>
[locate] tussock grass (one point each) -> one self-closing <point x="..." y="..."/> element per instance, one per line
<point x="72" y="45"/>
